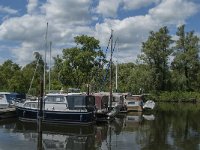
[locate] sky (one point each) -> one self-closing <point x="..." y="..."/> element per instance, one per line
<point x="23" y="24"/>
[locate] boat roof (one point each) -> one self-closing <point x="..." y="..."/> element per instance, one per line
<point x="56" y="94"/>
<point x="5" y="93"/>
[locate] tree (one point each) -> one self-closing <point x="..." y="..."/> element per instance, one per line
<point x="80" y="63"/>
<point x="156" y="51"/>
<point x="186" y="63"/>
<point x="36" y="66"/>
<point x="7" y="71"/>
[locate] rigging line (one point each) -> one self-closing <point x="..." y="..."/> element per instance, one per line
<point x="108" y="65"/>
<point x="33" y="75"/>
<point x="115" y="45"/>
<point x="108" y="44"/>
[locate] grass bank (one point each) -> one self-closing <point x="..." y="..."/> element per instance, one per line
<point x="191" y="97"/>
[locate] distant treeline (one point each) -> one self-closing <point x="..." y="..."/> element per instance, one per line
<point x="165" y="64"/>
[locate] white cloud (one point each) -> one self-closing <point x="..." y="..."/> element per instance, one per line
<point x="25" y="28"/>
<point x="108" y="8"/>
<point x="68" y="11"/>
<point x="137" y="4"/>
<point x="32" y="6"/>
<point x="173" y="11"/>
<point x="131" y="32"/>
<point x="7" y="10"/>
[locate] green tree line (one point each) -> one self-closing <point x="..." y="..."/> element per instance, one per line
<point x="165" y="64"/>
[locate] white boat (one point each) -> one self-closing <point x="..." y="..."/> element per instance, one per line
<point x="134" y="102"/>
<point x="150" y="104"/>
<point x="7" y="105"/>
<point x="8" y="99"/>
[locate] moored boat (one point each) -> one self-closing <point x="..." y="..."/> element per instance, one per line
<point x="60" y="109"/>
<point x="7" y="104"/>
<point x="150" y="104"/>
<point x="134" y="102"/>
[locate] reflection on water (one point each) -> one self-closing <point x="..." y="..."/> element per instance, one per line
<point x="169" y="127"/>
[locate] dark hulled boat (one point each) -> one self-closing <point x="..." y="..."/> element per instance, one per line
<point x="60" y="108"/>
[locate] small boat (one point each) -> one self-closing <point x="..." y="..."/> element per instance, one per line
<point x="150" y="104"/>
<point x="7" y="104"/>
<point x="7" y="100"/>
<point x="60" y="109"/>
<point x="134" y="102"/>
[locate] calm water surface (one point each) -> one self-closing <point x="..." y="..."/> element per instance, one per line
<point x="170" y="127"/>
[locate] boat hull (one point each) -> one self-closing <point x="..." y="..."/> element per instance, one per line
<point x="7" y="113"/>
<point x="134" y="108"/>
<point x="56" y="117"/>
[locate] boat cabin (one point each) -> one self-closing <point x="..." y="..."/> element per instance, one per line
<point x="7" y="99"/>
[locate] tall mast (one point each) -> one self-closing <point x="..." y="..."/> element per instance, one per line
<point x="116" y="71"/>
<point x="111" y="47"/>
<point x="45" y="53"/>
<point x="50" y="67"/>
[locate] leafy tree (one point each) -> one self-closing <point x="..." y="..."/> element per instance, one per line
<point x="186" y="63"/>
<point x="7" y="71"/>
<point x="156" y="51"/>
<point x="37" y="67"/>
<point x="80" y="63"/>
<point x="125" y="77"/>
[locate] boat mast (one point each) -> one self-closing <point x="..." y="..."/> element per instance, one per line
<point x="50" y="67"/>
<point x="111" y="47"/>
<point x="45" y="53"/>
<point x="116" y="73"/>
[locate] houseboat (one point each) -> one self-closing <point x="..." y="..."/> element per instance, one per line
<point x="60" y="108"/>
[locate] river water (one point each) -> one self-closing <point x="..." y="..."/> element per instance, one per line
<point x="169" y="127"/>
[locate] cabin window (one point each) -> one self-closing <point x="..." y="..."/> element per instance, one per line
<point x="75" y="101"/>
<point x="34" y="105"/>
<point x="78" y="101"/>
<point x="31" y="105"/>
<point x="27" y="105"/>
<point x="55" y="99"/>
<point x="131" y="103"/>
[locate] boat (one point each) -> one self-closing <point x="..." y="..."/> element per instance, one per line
<point x="60" y="109"/>
<point x="134" y="102"/>
<point x="7" y="104"/>
<point x="150" y="104"/>
<point x="5" y="100"/>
